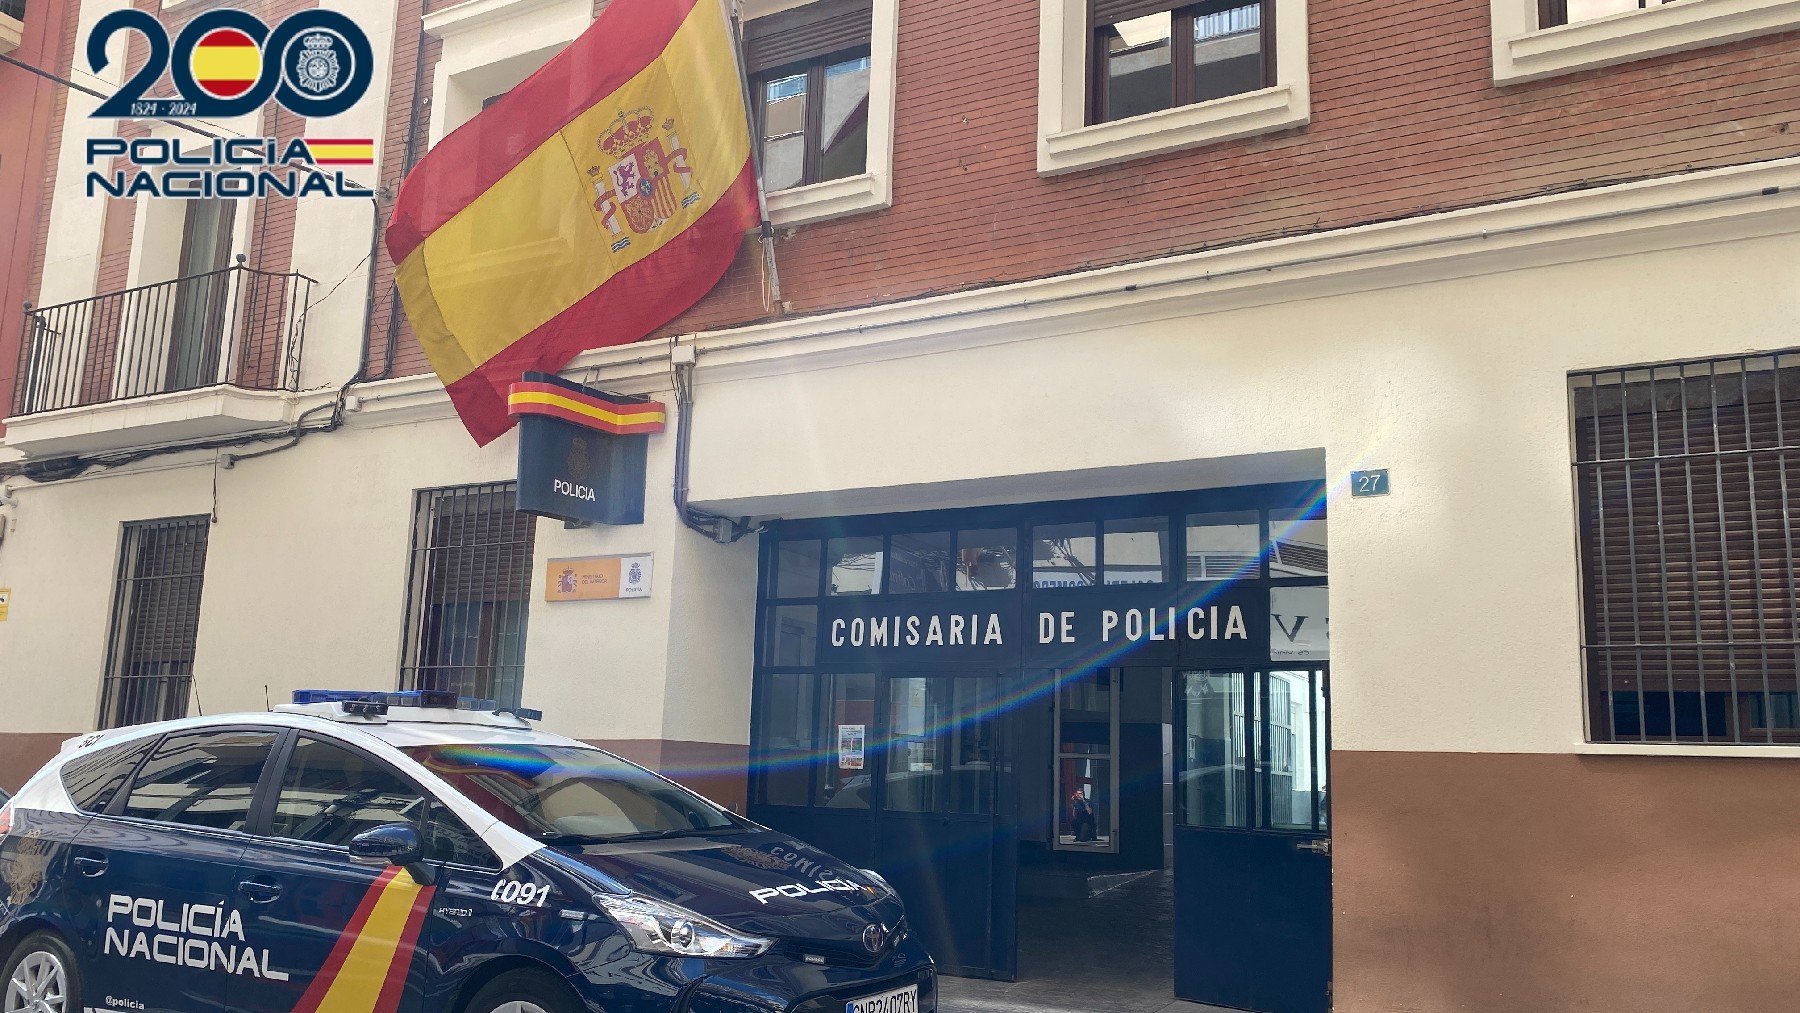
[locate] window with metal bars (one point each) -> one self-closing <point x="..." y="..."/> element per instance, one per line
<point x="155" y="621"/>
<point x="1685" y="474"/>
<point x="469" y="592"/>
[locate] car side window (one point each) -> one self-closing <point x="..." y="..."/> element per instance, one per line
<point x="449" y="839"/>
<point x="329" y="794"/>
<point x="93" y="780"/>
<point x="201" y="779"/>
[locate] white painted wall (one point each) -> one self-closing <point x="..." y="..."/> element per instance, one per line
<point x="306" y="579"/>
<point x="1453" y="599"/>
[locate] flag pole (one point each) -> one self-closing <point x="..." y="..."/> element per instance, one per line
<point x="771" y="274"/>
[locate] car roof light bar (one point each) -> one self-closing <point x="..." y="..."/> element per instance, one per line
<point x="434" y="698"/>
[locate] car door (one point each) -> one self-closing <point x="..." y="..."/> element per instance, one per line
<point x="342" y="935"/>
<point x="156" y="927"/>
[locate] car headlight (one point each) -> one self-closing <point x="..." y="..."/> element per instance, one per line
<point x="879" y="879"/>
<point x="656" y="927"/>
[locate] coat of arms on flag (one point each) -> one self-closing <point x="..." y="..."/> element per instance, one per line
<point x="648" y="180"/>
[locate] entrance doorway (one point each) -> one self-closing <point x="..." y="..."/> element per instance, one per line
<point x="1086" y="741"/>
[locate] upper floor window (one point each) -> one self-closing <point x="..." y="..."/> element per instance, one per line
<point x="822" y="88"/>
<point x="1148" y="56"/>
<point x="1689" y="557"/>
<point x="811" y="72"/>
<point x="1127" y="79"/>
<point x="1562" y="12"/>
<point x="1536" y="39"/>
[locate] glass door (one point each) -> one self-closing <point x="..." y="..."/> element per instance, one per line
<point x="1087" y="770"/>
<point x="1252" y="845"/>
<point x="944" y="835"/>
<point x="201" y="293"/>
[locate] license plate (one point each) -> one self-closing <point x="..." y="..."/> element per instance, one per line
<point x="900" y="1000"/>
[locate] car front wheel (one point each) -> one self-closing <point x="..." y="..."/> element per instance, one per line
<point x="522" y="991"/>
<point x="41" y="977"/>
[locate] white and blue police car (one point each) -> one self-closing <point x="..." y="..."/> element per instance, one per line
<point x="382" y="852"/>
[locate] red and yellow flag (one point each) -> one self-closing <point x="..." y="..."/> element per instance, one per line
<point x="590" y="206"/>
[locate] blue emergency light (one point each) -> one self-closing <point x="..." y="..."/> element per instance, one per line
<point x="357" y="701"/>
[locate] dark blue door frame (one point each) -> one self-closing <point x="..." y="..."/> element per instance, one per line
<point x="958" y="870"/>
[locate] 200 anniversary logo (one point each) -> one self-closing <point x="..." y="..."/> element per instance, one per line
<point x="227" y="63"/>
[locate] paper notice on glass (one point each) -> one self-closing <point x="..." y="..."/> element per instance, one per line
<point x="850" y="746"/>
<point x="1299" y="624"/>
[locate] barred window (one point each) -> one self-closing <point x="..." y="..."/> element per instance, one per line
<point x="469" y="592"/>
<point x="155" y="621"/>
<point x="1684" y="476"/>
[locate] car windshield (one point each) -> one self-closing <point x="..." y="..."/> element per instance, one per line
<point x="572" y="794"/>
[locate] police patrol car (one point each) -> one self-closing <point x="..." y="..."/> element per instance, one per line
<point x="379" y="852"/>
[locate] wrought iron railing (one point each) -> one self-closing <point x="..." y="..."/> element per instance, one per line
<point x="236" y="326"/>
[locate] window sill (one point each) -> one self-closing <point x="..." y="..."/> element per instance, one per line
<point x="1636" y="35"/>
<point x="12" y="32"/>
<point x="834" y="198"/>
<point x="1225" y="119"/>
<point x="1773" y="752"/>
<point x="468" y="15"/>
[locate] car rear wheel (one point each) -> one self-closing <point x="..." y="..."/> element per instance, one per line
<point x="41" y="977"/>
<point x="523" y="991"/>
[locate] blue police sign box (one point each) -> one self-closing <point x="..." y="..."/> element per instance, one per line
<point x="582" y="451"/>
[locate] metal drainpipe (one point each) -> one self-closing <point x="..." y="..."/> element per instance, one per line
<point x="721" y="529"/>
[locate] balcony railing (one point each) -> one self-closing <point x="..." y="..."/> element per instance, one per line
<point x="237" y="326"/>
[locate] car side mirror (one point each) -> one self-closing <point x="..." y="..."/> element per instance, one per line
<point x="389" y="844"/>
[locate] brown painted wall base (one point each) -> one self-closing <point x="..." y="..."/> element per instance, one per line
<point x="22" y="753"/>
<point x="1563" y="883"/>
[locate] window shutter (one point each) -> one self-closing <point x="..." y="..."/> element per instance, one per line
<point x="480" y="549"/>
<point x="1111" y="12"/>
<point x="805" y="32"/>
<point x="1689" y="562"/>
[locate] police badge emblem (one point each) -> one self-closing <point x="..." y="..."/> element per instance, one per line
<point x="317" y="68"/>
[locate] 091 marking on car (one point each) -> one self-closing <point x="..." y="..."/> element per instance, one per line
<point x="516" y="891"/>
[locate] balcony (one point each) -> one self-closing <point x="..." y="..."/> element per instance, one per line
<point x="206" y="355"/>
<point x="12" y="24"/>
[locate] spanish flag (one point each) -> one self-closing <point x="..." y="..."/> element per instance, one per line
<point x="589" y="206"/>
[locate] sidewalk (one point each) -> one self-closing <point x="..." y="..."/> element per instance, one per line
<point x="1107" y="954"/>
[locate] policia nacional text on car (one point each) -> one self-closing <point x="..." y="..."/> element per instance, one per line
<point x="371" y="853"/>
